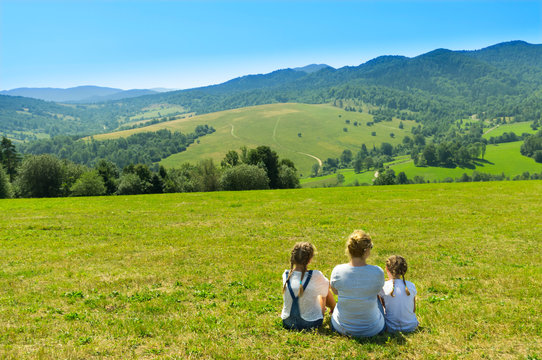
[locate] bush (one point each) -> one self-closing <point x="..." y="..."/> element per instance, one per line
<point x="538" y="156"/>
<point x="41" y="176"/>
<point x="245" y="177"/>
<point x="89" y="184"/>
<point x="131" y="184"/>
<point x="288" y="178"/>
<point x="179" y="180"/>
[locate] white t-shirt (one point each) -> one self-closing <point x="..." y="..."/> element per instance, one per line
<point x="400" y="314"/>
<point x="357" y="313"/>
<point x="309" y="305"/>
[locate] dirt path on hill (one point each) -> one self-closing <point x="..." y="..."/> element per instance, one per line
<point x="493" y="128"/>
<point x="232" y="134"/>
<point x="299" y="152"/>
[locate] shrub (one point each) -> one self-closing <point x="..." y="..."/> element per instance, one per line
<point x="288" y="178"/>
<point x="245" y="177"/>
<point x="41" y="176"/>
<point x="131" y="184"/>
<point x="89" y="184"/>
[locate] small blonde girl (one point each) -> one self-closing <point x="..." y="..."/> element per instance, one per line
<point x="305" y="292"/>
<point x="399" y="297"/>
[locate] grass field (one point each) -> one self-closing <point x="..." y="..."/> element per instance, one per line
<point x="500" y="158"/>
<point x="197" y="275"/>
<point x="278" y="126"/>
<point x="517" y="128"/>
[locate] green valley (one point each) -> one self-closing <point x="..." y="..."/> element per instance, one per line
<point x="300" y="132"/>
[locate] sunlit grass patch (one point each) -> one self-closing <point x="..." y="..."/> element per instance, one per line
<point x="198" y="275"/>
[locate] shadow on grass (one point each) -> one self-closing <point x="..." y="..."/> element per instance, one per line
<point x="397" y="338"/>
<point x="482" y="162"/>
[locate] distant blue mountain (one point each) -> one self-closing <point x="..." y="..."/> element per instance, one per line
<point x="79" y="94"/>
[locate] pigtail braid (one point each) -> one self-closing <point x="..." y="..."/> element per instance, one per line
<point x="392" y="288"/>
<point x="406" y="288"/>
<point x="301" y="281"/>
<point x="301" y="255"/>
<point x="288" y="278"/>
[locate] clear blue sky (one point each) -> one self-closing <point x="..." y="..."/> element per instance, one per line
<point x="182" y="44"/>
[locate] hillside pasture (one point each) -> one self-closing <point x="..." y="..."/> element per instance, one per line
<point x="499" y="158"/>
<point x="517" y="128"/>
<point x="299" y="132"/>
<point x="183" y="276"/>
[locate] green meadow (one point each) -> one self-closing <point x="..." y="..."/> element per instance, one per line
<point x="499" y="158"/>
<point x="517" y="128"/>
<point x="198" y="275"/>
<point x="299" y="132"/>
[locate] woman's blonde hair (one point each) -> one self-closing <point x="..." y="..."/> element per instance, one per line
<point x="397" y="266"/>
<point x="357" y="244"/>
<point x="301" y="254"/>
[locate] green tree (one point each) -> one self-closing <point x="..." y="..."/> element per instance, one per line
<point x="346" y="158"/>
<point x="430" y="154"/>
<point x="9" y="157"/>
<point x="109" y="173"/>
<point x="386" y="148"/>
<point x="231" y="159"/>
<point x="207" y="175"/>
<point x="315" y="169"/>
<point x="288" y="178"/>
<point x="72" y="172"/>
<point x="131" y="184"/>
<point x="358" y="164"/>
<point x="41" y="176"/>
<point x="180" y="180"/>
<point x="244" y="177"/>
<point x="386" y="177"/>
<point x="402" y="178"/>
<point x="5" y="186"/>
<point x="263" y="155"/>
<point x="287" y="162"/>
<point x="89" y="184"/>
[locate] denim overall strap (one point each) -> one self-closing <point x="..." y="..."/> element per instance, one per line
<point x="309" y="275"/>
<point x="295" y="321"/>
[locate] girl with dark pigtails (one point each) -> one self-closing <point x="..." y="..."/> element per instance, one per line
<point x="399" y="297"/>
<point x="306" y="292"/>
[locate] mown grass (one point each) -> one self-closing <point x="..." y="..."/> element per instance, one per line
<point x="278" y="126"/>
<point x="198" y="275"/>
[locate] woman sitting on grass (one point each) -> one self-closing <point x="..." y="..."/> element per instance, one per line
<point x="358" y="312"/>
<point x="399" y="297"/>
<point x="305" y="292"/>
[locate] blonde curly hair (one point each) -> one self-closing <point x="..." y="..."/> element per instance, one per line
<point x="358" y="243"/>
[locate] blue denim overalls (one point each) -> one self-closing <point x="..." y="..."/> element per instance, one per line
<point x="295" y="321"/>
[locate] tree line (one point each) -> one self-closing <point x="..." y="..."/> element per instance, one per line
<point x="46" y="175"/>
<point x="140" y="148"/>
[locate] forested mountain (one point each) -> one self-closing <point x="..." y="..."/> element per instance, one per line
<point x="439" y="87"/>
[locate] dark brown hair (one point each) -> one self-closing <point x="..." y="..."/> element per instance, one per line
<point x="301" y="254"/>
<point x="397" y="266"/>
